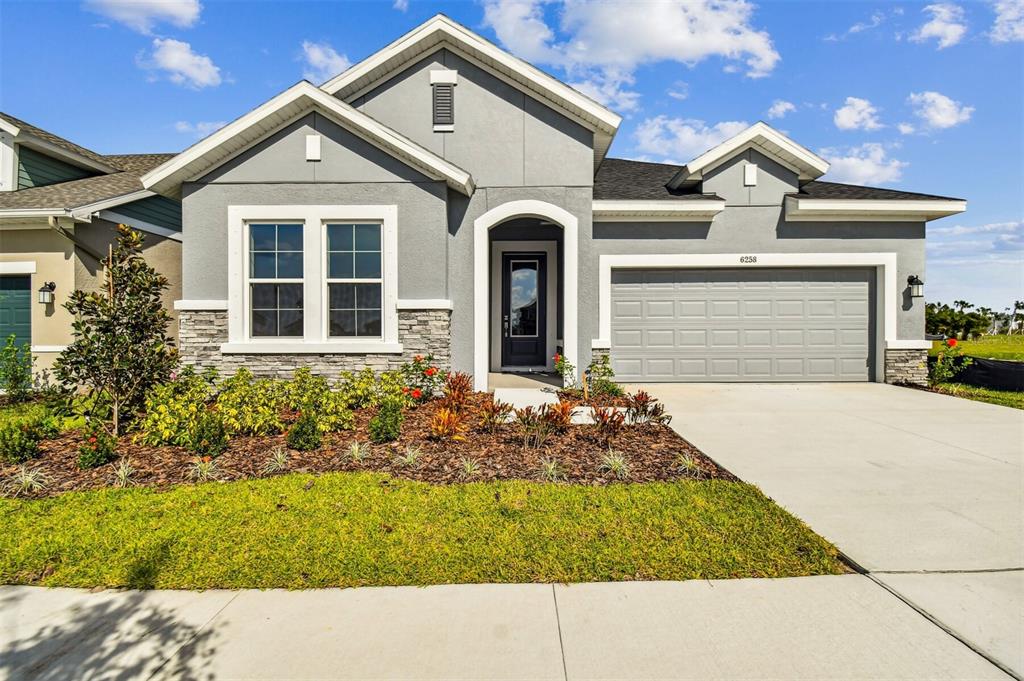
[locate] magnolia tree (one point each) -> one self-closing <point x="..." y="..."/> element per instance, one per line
<point x="121" y="348"/>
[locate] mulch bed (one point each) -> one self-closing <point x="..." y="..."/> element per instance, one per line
<point x="602" y="400"/>
<point x="651" y="451"/>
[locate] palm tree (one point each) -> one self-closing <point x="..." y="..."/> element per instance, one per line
<point x="1018" y="305"/>
<point x="988" y="315"/>
<point x="961" y="305"/>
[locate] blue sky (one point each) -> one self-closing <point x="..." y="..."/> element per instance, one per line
<point x="916" y="96"/>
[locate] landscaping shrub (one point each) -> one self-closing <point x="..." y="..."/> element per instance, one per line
<point x="391" y="387"/>
<point x="309" y="392"/>
<point x="534" y="427"/>
<point x="210" y="436"/>
<point x="565" y="369"/>
<point x="19" y="440"/>
<point x="644" y="409"/>
<point x="120" y="348"/>
<point x="448" y="424"/>
<point x="559" y="414"/>
<point x="251" y="407"/>
<point x="26" y="481"/>
<point x="600" y="375"/>
<point x="304" y="435"/>
<point x="99" y="448"/>
<point x="16" y="370"/>
<point x="173" y="409"/>
<point x="948" y="363"/>
<point x="358" y="390"/>
<point x="456" y="391"/>
<point x="492" y="413"/>
<point x="609" y="423"/>
<point x="422" y="375"/>
<point x="386" y="425"/>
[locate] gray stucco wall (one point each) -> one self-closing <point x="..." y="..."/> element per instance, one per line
<point x="352" y="172"/>
<point x="502" y="136"/>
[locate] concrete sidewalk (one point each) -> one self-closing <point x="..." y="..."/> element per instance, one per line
<point x="842" y="627"/>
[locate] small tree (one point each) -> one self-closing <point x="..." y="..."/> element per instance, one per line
<point x="121" y="348"/>
<point x="16" y="370"/>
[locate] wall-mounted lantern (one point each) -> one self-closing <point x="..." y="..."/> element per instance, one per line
<point x="46" y="293"/>
<point x="916" y="286"/>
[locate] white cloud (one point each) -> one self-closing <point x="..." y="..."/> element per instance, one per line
<point x="864" y="164"/>
<point x="200" y="128"/>
<point x="857" y="114"/>
<point x="906" y="128"/>
<point x="401" y="5"/>
<point x="678" y="140"/>
<point x="780" y="108"/>
<point x="937" y="111"/>
<point x="322" y="62"/>
<point x="143" y="15"/>
<point x="947" y="25"/>
<point x="679" y="90"/>
<point x="960" y="230"/>
<point x="181" y="65"/>
<point x="602" y="44"/>
<point x="1009" y="23"/>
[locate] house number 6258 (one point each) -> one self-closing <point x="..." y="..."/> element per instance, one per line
<point x="747" y="259"/>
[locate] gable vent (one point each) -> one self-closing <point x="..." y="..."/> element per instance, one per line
<point x="444" y="104"/>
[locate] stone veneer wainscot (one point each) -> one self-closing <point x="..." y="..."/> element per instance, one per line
<point x="906" y="367"/>
<point x="421" y="332"/>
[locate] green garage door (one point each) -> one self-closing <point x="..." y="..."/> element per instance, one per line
<point x="16" y="308"/>
<point x="812" y="324"/>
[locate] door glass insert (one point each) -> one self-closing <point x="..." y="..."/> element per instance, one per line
<point x="523" y="298"/>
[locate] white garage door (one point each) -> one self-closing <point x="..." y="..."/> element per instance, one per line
<point x="743" y="324"/>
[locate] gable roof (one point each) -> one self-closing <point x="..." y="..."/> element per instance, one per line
<point x="440" y="31"/>
<point x="765" y="139"/>
<point x="302" y="97"/>
<point x="85" y="196"/>
<point x="26" y="133"/>
<point x="835" y="190"/>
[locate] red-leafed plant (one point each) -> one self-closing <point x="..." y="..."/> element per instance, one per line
<point x="609" y="423"/>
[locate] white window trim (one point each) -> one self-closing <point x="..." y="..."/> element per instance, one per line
<point x="313" y="219"/>
<point x="887" y="296"/>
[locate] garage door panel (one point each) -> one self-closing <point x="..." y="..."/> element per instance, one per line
<point x="742" y="324"/>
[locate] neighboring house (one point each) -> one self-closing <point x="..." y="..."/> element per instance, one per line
<point x="443" y="196"/>
<point x="60" y="205"/>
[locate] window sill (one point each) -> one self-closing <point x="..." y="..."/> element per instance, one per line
<point x="444" y="127"/>
<point x="299" y="347"/>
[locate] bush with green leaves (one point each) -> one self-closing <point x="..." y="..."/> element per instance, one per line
<point x="422" y="377"/>
<point x="948" y="363"/>
<point x="310" y="392"/>
<point x="210" y="436"/>
<point x="358" y="389"/>
<point x="304" y="435"/>
<point x="98" y="448"/>
<point x="173" y="409"/>
<point x="16" y="370"/>
<point x="19" y="440"/>
<point x="600" y="375"/>
<point x="120" y="346"/>
<point x="249" y="406"/>
<point x="386" y="425"/>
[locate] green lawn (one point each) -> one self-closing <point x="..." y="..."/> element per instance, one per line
<point x="1006" y="398"/>
<point x="359" y="529"/>
<point x="990" y="347"/>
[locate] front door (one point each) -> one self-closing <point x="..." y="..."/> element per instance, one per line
<point x="523" y="309"/>
<point x="16" y="309"/>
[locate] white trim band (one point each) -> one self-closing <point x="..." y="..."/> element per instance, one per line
<point x="908" y="345"/>
<point x="49" y="348"/>
<point x="865" y="210"/>
<point x="683" y="210"/>
<point x="18" y="267"/>
<point x="425" y="304"/>
<point x="198" y="305"/>
<point x="300" y="347"/>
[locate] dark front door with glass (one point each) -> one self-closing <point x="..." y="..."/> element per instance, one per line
<point x="523" y="309"/>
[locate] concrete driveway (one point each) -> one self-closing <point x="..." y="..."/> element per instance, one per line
<point x="924" y="491"/>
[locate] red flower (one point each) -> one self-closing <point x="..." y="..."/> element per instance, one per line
<point x="418" y="358"/>
<point x="430" y="371"/>
<point x="405" y="390"/>
<point x="557" y="358"/>
<point x="206" y="459"/>
<point x="951" y="342"/>
<point x="417" y="394"/>
<point x="92" y="440"/>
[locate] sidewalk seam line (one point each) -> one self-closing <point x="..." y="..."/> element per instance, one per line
<point x="191" y="638"/>
<point x="974" y="571"/>
<point x="943" y="627"/>
<point x="558" y="624"/>
<point x="925" y="437"/>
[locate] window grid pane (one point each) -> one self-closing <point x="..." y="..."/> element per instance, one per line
<point x="276" y="252"/>
<point x="354" y="310"/>
<point x="353" y="251"/>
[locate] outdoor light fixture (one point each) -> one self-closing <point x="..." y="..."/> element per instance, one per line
<point x="46" y="293"/>
<point x="916" y="286"/>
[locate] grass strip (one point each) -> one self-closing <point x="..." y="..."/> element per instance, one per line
<point x="360" y="529"/>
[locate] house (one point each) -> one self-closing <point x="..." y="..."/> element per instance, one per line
<point x="60" y="205"/>
<point x="445" y="197"/>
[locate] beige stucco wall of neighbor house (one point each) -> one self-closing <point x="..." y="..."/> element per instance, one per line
<point x="162" y="253"/>
<point x="54" y="258"/>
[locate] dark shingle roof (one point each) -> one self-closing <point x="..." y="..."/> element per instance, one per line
<point x="140" y="163"/>
<point x="834" y="190"/>
<point x="56" y="140"/>
<point x="622" y="179"/>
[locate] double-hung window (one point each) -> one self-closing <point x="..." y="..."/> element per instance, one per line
<point x="313" y="279"/>
<point x="276" y="300"/>
<point x="354" y="280"/>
